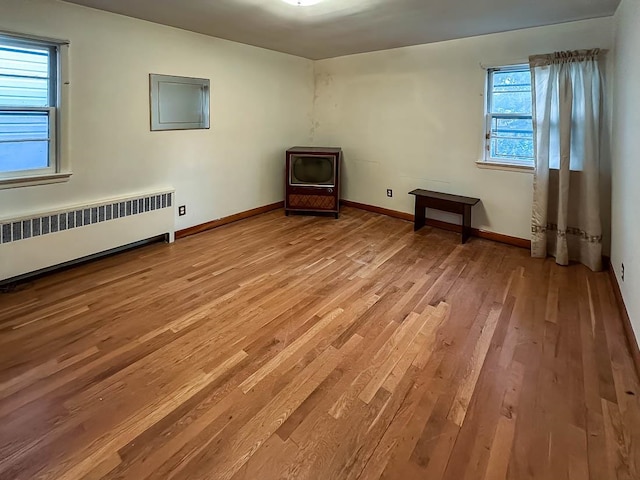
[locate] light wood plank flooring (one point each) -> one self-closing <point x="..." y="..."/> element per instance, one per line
<point x="312" y="348"/>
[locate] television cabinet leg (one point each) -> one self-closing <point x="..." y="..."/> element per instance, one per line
<point x="336" y="215"/>
<point x="286" y="212"/>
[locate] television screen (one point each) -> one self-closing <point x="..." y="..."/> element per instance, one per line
<point x="312" y="170"/>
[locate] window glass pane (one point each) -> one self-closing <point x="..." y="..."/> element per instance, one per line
<point x="24" y="76"/>
<point x="512" y="79"/>
<point x="511" y="102"/>
<point x="512" y="148"/>
<point x="24" y="140"/>
<point x="24" y="92"/>
<point x="511" y="92"/>
<point x="512" y="127"/>
<point x="24" y="126"/>
<point x="24" y="155"/>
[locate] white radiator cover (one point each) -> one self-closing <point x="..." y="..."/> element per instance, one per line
<point x="45" y="239"/>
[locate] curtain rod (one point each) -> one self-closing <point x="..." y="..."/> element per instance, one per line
<point x="520" y="61"/>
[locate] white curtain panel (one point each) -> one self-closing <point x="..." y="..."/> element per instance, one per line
<point x="567" y="98"/>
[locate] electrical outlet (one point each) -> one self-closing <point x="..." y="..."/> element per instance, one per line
<point x="389" y="192"/>
<point x="182" y="210"/>
<point x="623" y="272"/>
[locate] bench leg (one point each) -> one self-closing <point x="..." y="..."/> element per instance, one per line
<point x="466" y="223"/>
<point x="419" y="216"/>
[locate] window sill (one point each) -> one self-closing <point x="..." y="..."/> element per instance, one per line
<point x="505" y="166"/>
<point x="34" y="180"/>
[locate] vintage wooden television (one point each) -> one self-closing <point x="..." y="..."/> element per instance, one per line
<point x="313" y="180"/>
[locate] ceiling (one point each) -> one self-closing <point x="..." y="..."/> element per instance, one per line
<point x="334" y="28"/>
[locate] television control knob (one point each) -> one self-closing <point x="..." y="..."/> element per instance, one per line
<point x="331" y="190"/>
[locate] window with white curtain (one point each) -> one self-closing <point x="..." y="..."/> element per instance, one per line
<point x="509" y="125"/>
<point x="29" y="103"/>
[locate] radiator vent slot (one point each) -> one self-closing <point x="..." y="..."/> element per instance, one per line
<point x="22" y="229"/>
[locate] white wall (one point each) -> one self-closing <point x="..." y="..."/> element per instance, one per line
<point x="260" y="104"/>
<point x="414" y="117"/>
<point x="626" y="157"/>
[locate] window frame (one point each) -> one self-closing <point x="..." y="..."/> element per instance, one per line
<point x="58" y="169"/>
<point x="487" y="159"/>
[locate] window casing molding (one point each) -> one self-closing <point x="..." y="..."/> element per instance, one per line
<point x="59" y="169"/>
<point x="505" y="166"/>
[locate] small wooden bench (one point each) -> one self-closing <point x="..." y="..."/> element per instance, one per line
<point x="445" y="202"/>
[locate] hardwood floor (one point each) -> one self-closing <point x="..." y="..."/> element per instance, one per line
<point x="305" y="347"/>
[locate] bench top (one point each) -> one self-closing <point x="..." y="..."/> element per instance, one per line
<point x="314" y="150"/>
<point x="444" y="196"/>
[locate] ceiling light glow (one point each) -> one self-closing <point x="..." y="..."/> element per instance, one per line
<point x="302" y="3"/>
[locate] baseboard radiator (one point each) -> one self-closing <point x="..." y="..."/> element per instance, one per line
<point x="43" y="240"/>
